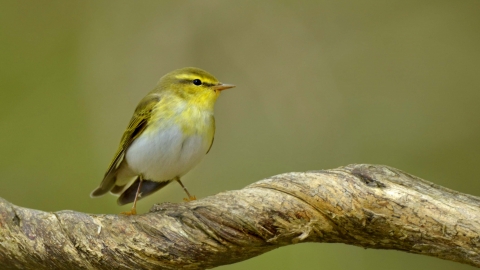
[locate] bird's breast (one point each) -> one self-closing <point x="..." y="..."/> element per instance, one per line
<point x="171" y="146"/>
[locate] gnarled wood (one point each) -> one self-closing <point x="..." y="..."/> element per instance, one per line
<point x="371" y="206"/>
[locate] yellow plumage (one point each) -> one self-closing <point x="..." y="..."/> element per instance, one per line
<point x="171" y="130"/>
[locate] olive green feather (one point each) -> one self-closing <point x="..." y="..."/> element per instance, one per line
<point x="137" y="125"/>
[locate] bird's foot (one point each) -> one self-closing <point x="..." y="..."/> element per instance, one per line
<point x="189" y="199"/>
<point x="130" y="213"/>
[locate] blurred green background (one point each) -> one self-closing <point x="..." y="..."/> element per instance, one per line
<point x="320" y="84"/>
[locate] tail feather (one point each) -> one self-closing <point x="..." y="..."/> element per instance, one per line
<point x="148" y="187"/>
<point x="117" y="190"/>
<point x="106" y="185"/>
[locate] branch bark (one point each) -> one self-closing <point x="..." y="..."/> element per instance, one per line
<point x="371" y="206"/>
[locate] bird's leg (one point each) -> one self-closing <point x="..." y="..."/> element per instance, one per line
<point x="134" y="207"/>
<point x="190" y="197"/>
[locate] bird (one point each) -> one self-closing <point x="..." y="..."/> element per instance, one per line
<point x="171" y="130"/>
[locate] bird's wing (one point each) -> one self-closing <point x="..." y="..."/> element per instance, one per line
<point x="137" y="125"/>
<point x="213" y="135"/>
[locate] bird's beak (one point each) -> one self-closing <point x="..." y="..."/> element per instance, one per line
<point x="222" y="86"/>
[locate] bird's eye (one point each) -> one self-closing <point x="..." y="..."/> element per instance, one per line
<point x="197" y="82"/>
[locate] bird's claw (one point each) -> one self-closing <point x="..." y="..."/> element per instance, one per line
<point x="189" y="199"/>
<point x="129" y="213"/>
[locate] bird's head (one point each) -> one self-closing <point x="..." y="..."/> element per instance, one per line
<point x="194" y="85"/>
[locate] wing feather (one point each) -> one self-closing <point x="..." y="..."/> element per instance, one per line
<point x="137" y="125"/>
<point x="213" y="135"/>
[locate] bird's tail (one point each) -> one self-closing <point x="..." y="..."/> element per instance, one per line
<point x="106" y="185"/>
<point x="148" y="187"/>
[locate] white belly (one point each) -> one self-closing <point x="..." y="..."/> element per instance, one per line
<point x="166" y="153"/>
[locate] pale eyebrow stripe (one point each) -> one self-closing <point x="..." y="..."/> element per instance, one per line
<point x="183" y="77"/>
<point x="187" y="78"/>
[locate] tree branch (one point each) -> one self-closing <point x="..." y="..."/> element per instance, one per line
<point x="371" y="206"/>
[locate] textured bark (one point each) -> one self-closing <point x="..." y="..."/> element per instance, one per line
<point x="371" y="206"/>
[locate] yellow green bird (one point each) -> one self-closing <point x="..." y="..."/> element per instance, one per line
<point x="171" y="130"/>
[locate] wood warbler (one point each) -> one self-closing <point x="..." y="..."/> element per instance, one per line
<point x="171" y="130"/>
